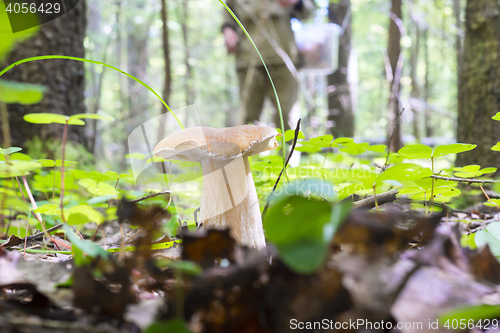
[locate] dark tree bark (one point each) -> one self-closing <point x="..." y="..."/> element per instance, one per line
<point x="64" y="79"/>
<point x="166" y="53"/>
<point x="168" y="71"/>
<point x="479" y="95"/>
<point x="340" y="111"/>
<point x="394" y="52"/>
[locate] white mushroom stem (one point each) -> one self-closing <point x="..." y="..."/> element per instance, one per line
<point x="229" y="200"/>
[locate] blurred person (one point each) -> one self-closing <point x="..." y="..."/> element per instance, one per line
<point x="268" y="23"/>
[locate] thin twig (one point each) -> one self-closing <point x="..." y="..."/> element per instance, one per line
<point x="491" y="201"/>
<point x="65" y="136"/>
<point x="373" y="201"/>
<point x="297" y="129"/>
<point x="151" y="195"/>
<point x="464" y="180"/>
<point x="41" y="234"/>
<point x="35" y="215"/>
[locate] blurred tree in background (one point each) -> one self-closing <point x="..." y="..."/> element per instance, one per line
<point x="479" y="85"/>
<point x="177" y="48"/>
<point x="64" y="79"/>
<point x="340" y="110"/>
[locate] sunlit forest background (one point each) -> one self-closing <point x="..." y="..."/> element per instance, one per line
<point x="128" y="34"/>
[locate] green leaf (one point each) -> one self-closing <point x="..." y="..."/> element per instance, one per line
<point x="17" y="168"/>
<point x="416" y="151"/>
<point x="85" y="246"/>
<point x="302" y="228"/>
<point x="100" y="199"/>
<point x="22" y="93"/>
<point x="404" y="172"/>
<point x="471" y="312"/>
<point x="112" y="174"/>
<point x="81" y="214"/>
<point x="155" y="159"/>
<point x="471" y="171"/>
<point x="184" y="266"/>
<point x="290" y="135"/>
<point x="490" y="236"/>
<point x="354" y="148"/>
<point x="343" y="141"/>
<point x="410" y="190"/>
<point x="454" y="148"/>
<point x="377" y="148"/>
<point x="91" y="116"/>
<point x="10" y="150"/>
<point x="468" y="241"/>
<point x="392" y="182"/>
<point x="137" y="156"/>
<point x="48" y="209"/>
<point x="16" y="204"/>
<point x="7" y="37"/>
<point x="20" y="157"/>
<point x="323" y="141"/>
<point x="295" y="218"/>
<point x="493" y="203"/>
<point x="47" y="163"/>
<point x="174" y="326"/>
<point x="496" y="117"/>
<point x="307" y="147"/>
<point x="363" y="176"/>
<point x="51" y="118"/>
<point x="496" y="147"/>
<point x="304" y="257"/>
<point x="486" y="171"/>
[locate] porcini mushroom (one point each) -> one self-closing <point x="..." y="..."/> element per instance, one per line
<point x="229" y="198"/>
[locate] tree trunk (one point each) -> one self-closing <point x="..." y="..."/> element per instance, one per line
<point x="188" y="82"/>
<point x="427" y="89"/>
<point x="458" y="36"/>
<point x="340" y="112"/>
<point x="166" y="53"/>
<point x="415" y="89"/>
<point x="479" y="95"/>
<point x="168" y="71"/>
<point x="64" y="79"/>
<point x="394" y="52"/>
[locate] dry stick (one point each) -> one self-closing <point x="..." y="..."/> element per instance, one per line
<point x="494" y="203"/>
<point x="138" y="200"/>
<point x="40" y="221"/>
<point x="297" y="129"/>
<point x="65" y="135"/>
<point x="151" y="195"/>
<point x="465" y="180"/>
<point x="380" y="199"/>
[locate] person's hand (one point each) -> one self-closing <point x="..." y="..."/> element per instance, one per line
<point x="287" y="3"/>
<point x="231" y="39"/>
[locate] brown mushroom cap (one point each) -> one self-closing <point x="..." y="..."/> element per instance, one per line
<point x="196" y="143"/>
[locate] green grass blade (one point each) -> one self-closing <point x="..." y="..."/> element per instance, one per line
<point x="22" y="61"/>
<point x="268" y="74"/>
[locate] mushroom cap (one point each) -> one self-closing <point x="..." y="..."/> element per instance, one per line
<point x="197" y="143"/>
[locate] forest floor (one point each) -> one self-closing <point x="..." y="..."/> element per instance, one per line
<point x="383" y="269"/>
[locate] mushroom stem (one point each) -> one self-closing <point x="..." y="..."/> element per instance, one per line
<point x="229" y="200"/>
